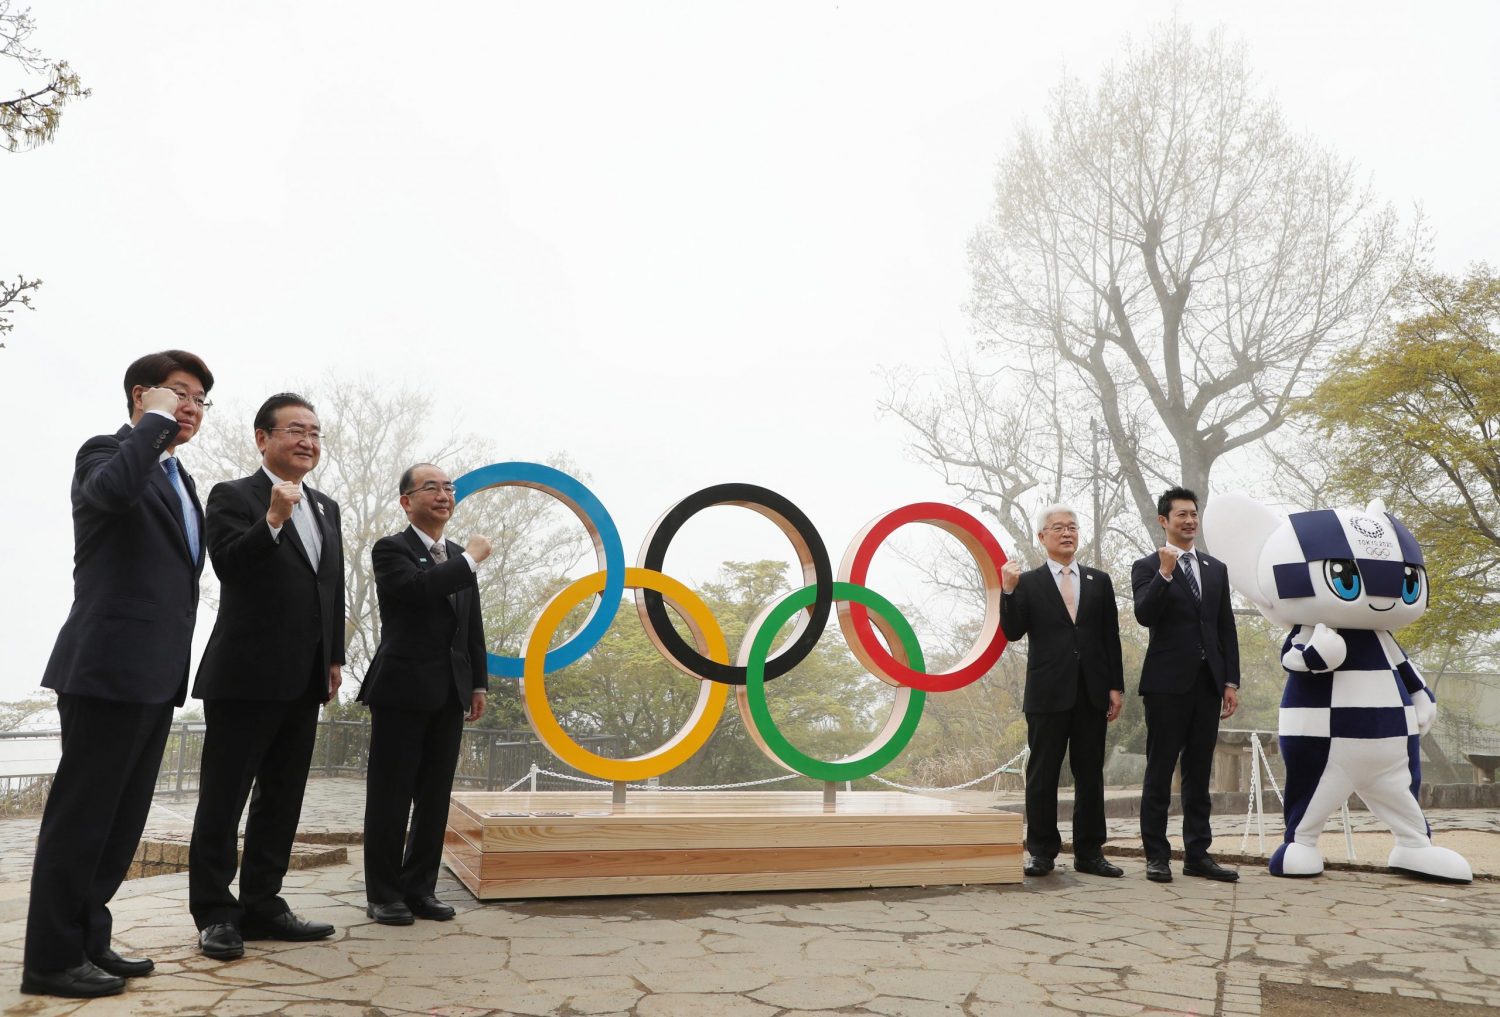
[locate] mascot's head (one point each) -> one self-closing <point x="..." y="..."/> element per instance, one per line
<point x="1347" y="568"/>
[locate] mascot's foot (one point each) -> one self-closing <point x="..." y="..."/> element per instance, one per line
<point x="1296" y="861"/>
<point x="1431" y="862"/>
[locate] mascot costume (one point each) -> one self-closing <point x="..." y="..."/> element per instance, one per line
<point x="1354" y="707"/>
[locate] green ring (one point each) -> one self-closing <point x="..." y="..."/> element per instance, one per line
<point x="755" y="686"/>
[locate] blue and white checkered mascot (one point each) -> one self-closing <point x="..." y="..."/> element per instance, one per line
<point x="1354" y="705"/>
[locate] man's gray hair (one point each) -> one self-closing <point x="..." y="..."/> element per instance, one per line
<point x="1052" y="510"/>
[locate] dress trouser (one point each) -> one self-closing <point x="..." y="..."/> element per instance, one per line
<point x="1180" y="726"/>
<point x="96" y="810"/>
<point x="267" y="745"/>
<point x="1079" y="734"/>
<point x="413" y="754"/>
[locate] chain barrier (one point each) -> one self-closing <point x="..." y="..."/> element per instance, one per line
<point x="1255" y="814"/>
<point x="660" y="787"/>
<point x="1009" y="766"/>
<point x="1005" y="767"/>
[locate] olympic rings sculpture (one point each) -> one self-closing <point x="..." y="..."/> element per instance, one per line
<point x="897" y="661"/>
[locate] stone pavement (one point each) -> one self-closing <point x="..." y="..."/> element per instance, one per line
<point x="1065" y="944"/>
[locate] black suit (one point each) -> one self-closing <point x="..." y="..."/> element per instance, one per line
<point x="1071" y="667"/>
<point x="119" y="667"/>
<point x="430" y="662"/>
<point x="1194" y="652"/>
<point x="263" y="676"/>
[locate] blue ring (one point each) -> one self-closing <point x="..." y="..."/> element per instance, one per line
<point x="607" y="548"/>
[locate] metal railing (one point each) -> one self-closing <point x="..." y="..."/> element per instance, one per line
<point x="488" y="760"/>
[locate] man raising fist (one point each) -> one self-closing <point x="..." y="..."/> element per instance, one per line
<point x="427" y="678"/>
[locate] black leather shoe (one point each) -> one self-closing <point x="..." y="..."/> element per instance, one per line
<point x="1158" y="870"/>
<point x="285" y="926"/>
<point x="82" y="982"/>
<point x="1100" y="866"/>
<point x="429" y="907"/>
<point x="1209" y="869"/>
<point x="123" y="967"/>
<point x="390" y="914"/>
<point x="221" y="942"/>
<point x="1038" y="866"/>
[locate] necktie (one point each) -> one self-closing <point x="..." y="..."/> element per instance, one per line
<point x="1186" y="561"/>
<point x="1069" y="595"/>
<point x="439" y="552"/>
<point x="307" y="529"/>
<point x="189" y="517"/>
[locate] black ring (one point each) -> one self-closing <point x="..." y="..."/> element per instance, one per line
<point x="792" y="522"/>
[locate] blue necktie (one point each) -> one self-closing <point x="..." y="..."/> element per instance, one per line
<point x="189" y="517"/>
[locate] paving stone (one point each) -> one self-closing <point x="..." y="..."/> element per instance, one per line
<point x="697" y="1004"/>
<point x="822" y="992"/>
<point x="939" y="986"/>
<point x="1096" y="1005"/>
<point x="897" y="1006"/>
<point x="700" y="980"/>
<point x="1058" y="974"/>
<point x="1009" y="988"/>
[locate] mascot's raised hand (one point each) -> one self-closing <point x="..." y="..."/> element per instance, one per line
<point x="1354" y="706"/>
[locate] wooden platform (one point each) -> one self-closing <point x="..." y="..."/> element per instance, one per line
<point x="506" y="845"/>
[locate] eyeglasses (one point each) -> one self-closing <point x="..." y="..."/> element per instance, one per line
<point x="433" y="487"/>
<point x="297" y="432"/>
<point x="199" y="401"/>
<point x="1061" y="528"/>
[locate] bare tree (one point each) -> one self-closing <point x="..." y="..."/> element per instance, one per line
<point x="1189" y="260"/>
<point x="373" y="434"/>
<point x="1012" y="439"/>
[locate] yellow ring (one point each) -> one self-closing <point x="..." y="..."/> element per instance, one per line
<point x="711" y="695"/>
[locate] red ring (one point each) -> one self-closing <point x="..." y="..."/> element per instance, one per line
<point x="854" y="619"/>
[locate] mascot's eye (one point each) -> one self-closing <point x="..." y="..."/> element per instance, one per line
<point x="1343" y="578"/>
<point x="1411" y="585"/>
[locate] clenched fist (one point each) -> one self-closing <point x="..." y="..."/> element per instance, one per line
<point x="1010" y="575"/>
<point x="1168" y="560"/>
<point x="159" y="400"/>
<point x="478" y="548"/>
<point x="284" y="498"/>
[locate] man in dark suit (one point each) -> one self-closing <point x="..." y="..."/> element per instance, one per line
<point x="274" y="657"/>
<point x="120" y="666"/>
<point x="1189" y="680"/>
<point x="427" y="678"/>
<point x="1074" y="681"/>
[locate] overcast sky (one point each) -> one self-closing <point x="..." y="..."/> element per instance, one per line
<point x="679" y="242"/>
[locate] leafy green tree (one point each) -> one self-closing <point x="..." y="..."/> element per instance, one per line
<point x="1415" y="419"/>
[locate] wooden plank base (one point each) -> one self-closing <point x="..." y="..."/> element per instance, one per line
<point x="517" y="844"/>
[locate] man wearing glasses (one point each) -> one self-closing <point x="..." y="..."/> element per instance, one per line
<point x="1074" y="683"/>
<point x="119" y="667"/>
<point x="427" y="678"/>
<point x="273" y="659"/>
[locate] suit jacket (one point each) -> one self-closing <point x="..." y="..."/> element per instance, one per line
<point x="1185" y="631"/>
<point x="280" y="620"/>
<point x="1061" y="649"/>
<point x="431" y="631"/>
<point x="129" y="633"/>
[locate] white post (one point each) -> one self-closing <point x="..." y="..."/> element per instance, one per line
<point x="533" y="778"/>
<point x="1348" y="833"/>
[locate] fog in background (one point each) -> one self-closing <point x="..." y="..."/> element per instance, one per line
<point x="680" y="243"/>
